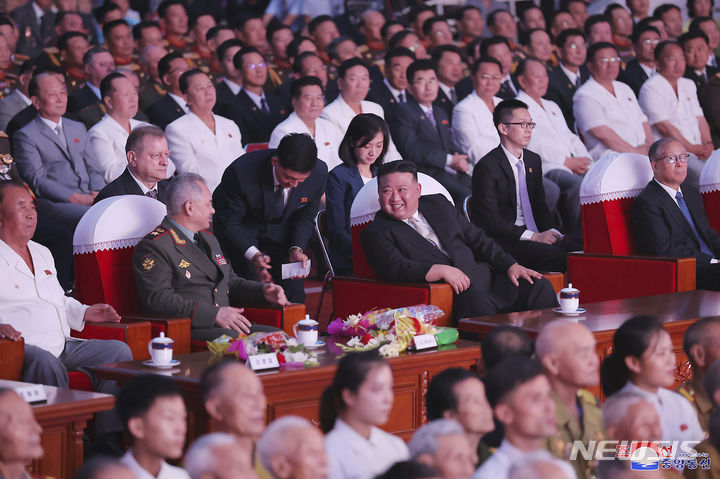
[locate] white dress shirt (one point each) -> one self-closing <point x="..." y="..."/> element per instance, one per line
<point x="499" y="464"/>
<point x="106" y="145"/>
<point x="473" y="129"/>
<point x="572" y="76"/>
<point x="196" y="149"/>
<point x="395" y="92"/>
<point x="551" y="138"/>
<point x="234" y="87"/>
<point x="35" y="304"/>
<point x="678" y="417"/>
<point x="519" y="214"/>
<point x="340" y="113"/>
<point x="166" y="470"/>
<point x="257" y="99"/>
<point x="660" y="103"/>
<point x="327" y="137"/>
<point x="595" y="106"/>
<point x="354" y="457"/>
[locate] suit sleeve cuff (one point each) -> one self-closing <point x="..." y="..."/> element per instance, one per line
<point x="250" y="252"/>
<point x="527" y="235"/>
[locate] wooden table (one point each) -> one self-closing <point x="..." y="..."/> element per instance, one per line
<point x="297" y="390"/>
<point x="676" y="310"/>
<point x="63" y="419"/>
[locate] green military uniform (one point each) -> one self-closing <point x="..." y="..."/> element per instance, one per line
<point x="176" y="277"/>
<point x="91" y="114"/>
<point x="150" y="93"/>
<point x="713" y="460"/>
<point x="591" y="429"/>
<point x="694" y="392"/>
<point x="184" y="46"/>
<point x="9" y="79"/>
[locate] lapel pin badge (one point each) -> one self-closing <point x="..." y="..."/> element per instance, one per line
<point x="187" y="274"/>
<point x="76" y="140"/>
<point x="48" y="272"/>
<point x="530" y="170"/>
<point x="304" y="199"/>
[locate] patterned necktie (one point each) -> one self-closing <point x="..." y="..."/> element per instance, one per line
<point x="152" y="194"/>
<point x="426" y="232"/>
<point x="524" y="198"/>
<point x="61" y="135"/>
<point x="507" y="87"/>
<point x="686" y="213"/>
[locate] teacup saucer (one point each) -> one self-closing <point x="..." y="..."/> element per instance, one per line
<point x="319" y="344"/>
<point x="169" y="365"/>
<point x="577" y="312"/>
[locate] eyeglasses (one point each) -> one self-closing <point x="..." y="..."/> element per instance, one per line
<point x="253" y="66"/>
<point x="649" y="41"/>
<point x="671" y="159"/>
<point x="523" y="124"/>
<point x="576" y="46"/>
<point x="610" y="60"/>
<point x="485" y="76"/>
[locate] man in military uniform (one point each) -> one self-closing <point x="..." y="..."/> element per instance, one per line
<point x="201" y="55"/>
<point x="568" y="355"/>
<point x="180" y="269"/>
<point x="72" y="47"/>
<point x="119" y="41"/>
<point x="371" y="24"/>
<point x="701" y="344"/>
<point x="9" y="69"/>
<point x="279" y="37"/>
<point x="174" y="18"/>
<point x="153" y="89"/>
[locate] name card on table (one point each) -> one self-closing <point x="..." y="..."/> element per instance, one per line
<point x="258" y="362"/>
<point x="424" y="341"/>
<point x="31" y="393"/>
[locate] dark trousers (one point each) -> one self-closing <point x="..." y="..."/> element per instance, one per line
<point x="707" y="276"/>
<point x="538" y="256"/>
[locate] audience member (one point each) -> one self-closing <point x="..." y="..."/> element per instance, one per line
<point x="173" y="104"/>
<point x="578" y="11"/>
<point x="102" y="467"/>
<point x="598" y="30"/>
<point x="200" y="141"/>
<point x="569" y="357"/>
<point x="85" y="102"/>
<point x="195" y="281"/>
<point x="437" y="32"/>
<point x="307" y="101"/>
<point x="503" y="342"/>
<point x="707" y="25"/>
<point x="19" y="99"/>
<point x="107" y="139"/>
<point x="323" y="30"/>
<point x="538" y="465"/>
<point x="639" y="69"/>
<point x="153" y="89"/>
<point x="417" y="16"/>
<point x="279" y="37"/>
<point x="174" y="20"/>
<point x="219" y="455"/>
<point x="442" y="445"/>
<point x="359" y="400"/>
<point x="72" y="47"/>
<point x="230" y="83"/>
<point x="668" y="220"/>
<point x="215" y="37"/>
<point x="36" y="21"/>
<point x="371" y="24"/>
<point x="147" y="33"/>
<point x="20" y="440"/>
<point x="671" y="17"/>
<point x="607" y="112"/>
<point x="563" y="20"/>
<point x="695" y="47"/>
<point x="202" y="55"/>
<point x="569" y="74"/>
<point x="643" y="363"/>
<point x="409" y="470"/>
<point x="530" y="19"/>
<point x="521" y="398"/>
<point x="266" y="206"/>
<point x="362" y="151"/>
<point x="499" y="48"/>
<point x="630" y="416"/>
<point x="539" y="47"/>
<point x="441" y="245"/>
<point x="392" y="90"/>
<point x="153" y="411"/>
<point x="407" y="39"/>
<point x="709" y="447"/>
<point x="119" y="41"/>
<point x="341" y="49"/>
<point x="701" y="344"/>
<point x="621" y="25"/>
<point x="448" y="61"/>
<point x="470" y="22"/>
<point x="501" y="23"/>
<point x="293" y="448"/>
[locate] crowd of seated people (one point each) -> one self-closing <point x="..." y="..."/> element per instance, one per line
<point x="246" y="121"/>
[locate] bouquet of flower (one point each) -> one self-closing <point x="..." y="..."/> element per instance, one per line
<point x="288" y="350"/>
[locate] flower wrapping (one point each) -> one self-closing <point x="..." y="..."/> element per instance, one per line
<point x="288" y="350"/>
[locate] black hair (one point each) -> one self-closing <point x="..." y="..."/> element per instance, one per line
<point x="5" y="184"/>
<point x="6" y="20"/>
<point x="106" y="86"/>
<point x="662" y="46"/>
<point x="360" y="132"/>
<point x="593" y="20"/>
<point x="213" y="32"/>
<point x="663" y="9"/>
<point x="299" y="60"/>
<point x="641" y="28"/>
<point x="473" y="48"/>
<point x="350" y="63"/>
<point x="332" y="48"/>
<point x="211" y="378"/>
<point x="65" y="38"/>
<point x="461" y="12"/>
<point x="386" y="26"/>
<point x="137" y="30"/>
<point x="162" y="9"/>
<point x="397" y="52"/>
<point x="297" y="152"/>
<point x="417" y="9"/>
<point x="504" y="109"/>
<point x="317" y="21"/>
<point x="238" y="58"/>
<point x="484" y="59"/>
<point x="299" y="83"/>
<point x="192" y="21"/>
<point x="529" y="34"/>
<point x="697" y="332"/>
<point x="596" y="47"/>
<point x="28" y="66"/>
<point x="95" y="468"/>
<point x="527" y="9"/>
<point x="565" y="35"/>
<point x="90" y="54"/>
<point x="409" y="470"/>
<point x="351" y="373"/>
<point x="523" y="65"/>
<point x="632" y="338"/>
<point x="399" y="166"/>
<point x="714" y="428"/>
<point x="611" y="8"/>
<point x="398" y="37"/>
<point x="240" y="22"/>
<point x="419" y="66"/>
<point x="33" y="86"/>
<point x="492" y="41"/>
<point x="184" y="80"/>
<point x="490" y="21"/>
<point x="507" y="376"/>
<point x="692" y="35"/>
<point x="164" y="63"/>
<point x="139" y="394"/>
<point x="59" y="16"/>
<point x="428" y="24"/>
<point x="294" y="46"/>
<point x="697" y="21"/>
<point x="441" y="395"/>
<point x="109" y="26"/>
<point x="275" y="27"/>
<point x="503" y="342"/>
<point x="103" y="10"/>
<point x="440" y="50"/>
<point x="226" y="45"/>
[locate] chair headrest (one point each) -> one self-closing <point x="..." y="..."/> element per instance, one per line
<point x="621" y="175"/>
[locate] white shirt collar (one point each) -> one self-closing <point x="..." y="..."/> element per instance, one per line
<point x="648" y="70"/>
<point x="51" y="123"/>
<point x="446" y="89"/>
<point x="234" y="87"/>
<point x="180" y="101"/>
<point x="426" y="109"/>
<point x="669" y="190"/>
<point x="395" y="92"/>
<point x="343" y="427"/>
<point x="38" y="11"/>
<point x="142" y="186"/>
<point x="256" y="98"/>
<point x="571" y="76"/>
<point x="511" y="158"/>
<point x="416" y="216"/>
<point x="95" y="90"/>
<point x="702" y="72"/>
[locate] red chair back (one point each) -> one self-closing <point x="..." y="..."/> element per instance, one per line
<point x="710" y="189"/>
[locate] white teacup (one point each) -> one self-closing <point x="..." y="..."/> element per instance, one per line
<point x="306" y="331"/>
<point x="161" y="350"/>
<point x="569" y="299"/>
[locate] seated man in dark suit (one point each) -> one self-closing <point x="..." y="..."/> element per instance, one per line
<point x="85" y="103"/>
<point x="392" y="90"/>
<point x="148" y="158"/>
<point x="425" y="239"/>
<point x="570" y="73"/>
<point x="180" y="269"/>
<point x="306" y="64"/>
<point x="231" y="82"/>
<point x="669" y="220"/>
<point x="696" y="46"/>
<point x="266" y="205"/>
<point x="508" y="197"/>
<point x="173" y="105"/>
<point x="422" y="132"/>
<point x="449" y="60"/>
<point x="645" y="39"/>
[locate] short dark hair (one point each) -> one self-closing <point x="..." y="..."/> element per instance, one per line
<point x="274" y="27"/>
<point x="596" y="47"/>
<point x="593" y="20"/>
<point x="400" y="166"/>
<point x="102" y="11"/>
<point x="184" y="80"/>
<point x="508" y="375"/>
<point x="211" y="377"/>
<point x="139" y="394"/>
<point x="523" y="65"/>
<point x="641" y="28"/>
<point x="137" y="135"/>
<point x="144" y="25"/>
<point x="504" y="109"/>
<point x="299" y="83"/>
<point x="419" y="66"/>
<point x="65" y="38"/>
<point x="691" y="35"/>
<point x="294" y="46"/>
<point x="529" y="34"/>
<point x="484" y="59"/>
<point x="240" y="22"/>
<point x="493" y="15"/>
<point x="164" y="63"/>
<point x="350" y="63"/>
<point x="226" y="45"/>
<point x="398" y="52"/>
<point x="109" y="26"/>
<point x="463" y="10"/>
<point x="440" y="50"/>
<point x="492" y="41"/>
<point x="238" y="58"/>
<point x="41" y="71"/>
<point x="360" y="132"/>
<point x="611" y="8"/>
<point x="317" y="21"/>
<point x="663" y="9"/>
<point x="59" y="16"/>
<point x="297" y="152"/>
<point x="6" y="20"/>
<point x="441" y="396"/>
<point x="106" y="86"/>
<point x="332" y="48"/>
<point x="386" y="26"/>
<point x="697" y="332"/>
<point x="398" y="37"/>
<point x="662" y="46"/>
<point x="428" y="24"/>
<point x="473" y="48"/>
<point x="417" y="9"/>
<point x="162" y="9"/>
<point x="299" y="60"/>
<point x="28" y="66"/>
<point x="90" y="54"/>
<point x="503" y="342"/>
<point x="697" y="21"/>
<point x="565" y="35"/>
<point x="214" y="31"/>
<point x="529" y="7"/>
<point x="192" y="21"/>
<point x="5" y="184"/>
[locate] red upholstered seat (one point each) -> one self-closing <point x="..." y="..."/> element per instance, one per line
<point x="710" y="189"/>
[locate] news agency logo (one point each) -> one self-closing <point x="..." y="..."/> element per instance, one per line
<point x="644" y="455"/>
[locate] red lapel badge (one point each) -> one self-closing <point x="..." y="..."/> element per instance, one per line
<point x="683" y="427"/>
<point x="220" y="259"/>
<point x="76" y="140"/>
<point x="445" y="122"/>
<point x="327" y="143"/>
<point x="230" y="135"/>
<point x="529" y="170"/>
<point x="304" y="199"/>
<point x="48" y="272"/>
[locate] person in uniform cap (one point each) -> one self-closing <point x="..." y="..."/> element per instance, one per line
<point x="568" y="355"/>
<point x="180" y="269"/>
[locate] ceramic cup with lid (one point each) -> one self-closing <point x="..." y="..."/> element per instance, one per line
<point x="569" y="299"/>
<point x="306" y="331"/>
<point x="161" y="349"/>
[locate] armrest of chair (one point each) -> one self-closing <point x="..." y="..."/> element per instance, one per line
<point x="134" y="334"/>
<point x="556" y="279"/>
<point x="12" y="356"/>
<point x="283" y="317"/>
<point x="177" y="329"/>
<point x="602" y="277"/>
<point x="358" y="295"/>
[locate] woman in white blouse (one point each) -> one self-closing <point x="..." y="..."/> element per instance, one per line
<point x="201" y="142"/>
<point x="359" y="400"/>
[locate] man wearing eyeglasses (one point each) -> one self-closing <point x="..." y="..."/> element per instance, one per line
<point x="645" y="39"/>
<point x="669" y="219"/>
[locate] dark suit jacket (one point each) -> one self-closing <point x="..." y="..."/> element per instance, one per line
<point x="710" y="103"/>
<point x="255" y="125"/>
<point x="633" y="75"/>
<point x="381" y="94"/>
<point x="164" y="111"/>
<point x="699" y="81"/>
<point x="40" y="36"/>
<point x="244" y="210"/>
<point x="442" y="101"/>
<point x="81" y="99"/>
<point x="223" y="95"/>
<point x="176" y="277"/>
<point x="561" y="91"/>
<point x="125" y="184"/>
<point x="661" y="229"/>
<point x="399" y="254"/>
<point x="494" y="202"/>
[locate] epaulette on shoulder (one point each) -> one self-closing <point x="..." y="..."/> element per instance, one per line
<point x="687" y="393"/>
<point x="588" y="397"/>
<point x="156" y="233"/>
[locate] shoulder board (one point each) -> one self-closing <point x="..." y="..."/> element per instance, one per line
<point x="156" y="233"/>
<point x="176" y="238"/>
<point x="588" y="397"/>
<point x="687" y="394"/>
<point x="20" y="57"/>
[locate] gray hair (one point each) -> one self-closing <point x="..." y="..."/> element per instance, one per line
<point x="711" y="380"/>
<point x="200" y="458"/>
<point x="657" y="147"/>
<point x="424" y="441"/>
<point x="273" y="440"/>
<point x="616" y="407"/>
<point x="528" y="466"/>
<point x="143" y="58"/>
<point x="183" y="188"/>
<point x="137" y="135"/>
